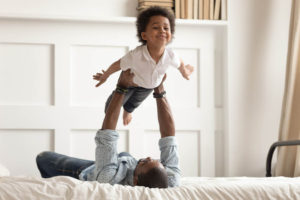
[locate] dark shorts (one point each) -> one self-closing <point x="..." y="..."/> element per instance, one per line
<point x="134" y="97"/>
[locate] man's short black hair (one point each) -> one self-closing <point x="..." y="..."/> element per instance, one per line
<point x="144" y="18"/>
<point x="155" y="178"/>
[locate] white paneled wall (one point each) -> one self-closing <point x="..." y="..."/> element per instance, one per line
<point x="19" y="148"/>
<point x="18" y="60"/>
<point x="94" y="58"/>
<point x="48" y="100"/>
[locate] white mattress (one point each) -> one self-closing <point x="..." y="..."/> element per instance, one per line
<point x="63" y="187"/>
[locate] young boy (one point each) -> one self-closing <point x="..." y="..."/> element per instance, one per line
<point x="150" y="61"/>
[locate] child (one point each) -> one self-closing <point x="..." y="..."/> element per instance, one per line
<point x="148" y="62"/>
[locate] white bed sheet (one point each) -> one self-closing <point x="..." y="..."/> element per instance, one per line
<point x="63" y="187"/>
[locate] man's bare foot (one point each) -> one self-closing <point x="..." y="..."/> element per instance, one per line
<point x="127" y="117"/>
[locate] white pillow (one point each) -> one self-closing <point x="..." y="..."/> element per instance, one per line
<point x="3" y="171"/>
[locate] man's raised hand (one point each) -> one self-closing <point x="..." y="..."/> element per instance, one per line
<point x="126" y="79"/>
<point x="159" y="89"/>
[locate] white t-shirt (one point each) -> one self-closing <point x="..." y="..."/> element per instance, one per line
<point x="147" y="73"/>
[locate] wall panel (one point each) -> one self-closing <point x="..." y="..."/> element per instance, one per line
<point x="85" y="62"/>
<point x="26" y="74"/>
<point x="19" y="148"/>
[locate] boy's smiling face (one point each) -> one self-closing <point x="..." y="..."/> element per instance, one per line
<point x="158" y="31"/>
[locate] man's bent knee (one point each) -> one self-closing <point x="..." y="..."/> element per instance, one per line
<point x="42" y="156"/>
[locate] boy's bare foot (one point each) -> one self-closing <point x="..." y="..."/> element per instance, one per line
<point x="127" y="117"/>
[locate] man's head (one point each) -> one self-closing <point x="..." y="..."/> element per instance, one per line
<point x="150" y="173"/>
<point x="145" y="17"/>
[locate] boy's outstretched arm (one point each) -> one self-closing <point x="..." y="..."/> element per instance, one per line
<point x="185" y="70"/>
<point x="101" y="77"/>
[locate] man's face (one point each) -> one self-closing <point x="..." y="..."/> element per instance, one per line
<point x="144" y="165"/>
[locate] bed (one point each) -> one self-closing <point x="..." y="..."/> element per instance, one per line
<point x="225" y="188"/>
<point x="62" y="187"/>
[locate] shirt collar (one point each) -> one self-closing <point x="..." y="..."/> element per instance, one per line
<point x="149" y="58"/>
<point x="146" y="53"/>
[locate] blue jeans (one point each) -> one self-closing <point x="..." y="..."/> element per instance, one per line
<point x="134" y="97"/>
<point x="53" y="164"/>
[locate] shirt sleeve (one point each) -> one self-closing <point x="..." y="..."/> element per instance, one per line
<point x="175" y="60"/>
<point x="169" y="159"/>
<point x="106" y="163"/>
<point x="127" y="60"/>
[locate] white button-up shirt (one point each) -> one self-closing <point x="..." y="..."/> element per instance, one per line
<point x="147" y="73"/>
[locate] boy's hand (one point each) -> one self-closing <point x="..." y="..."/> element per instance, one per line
<point x="101" y="77"/>
<point x="186" y="71"/>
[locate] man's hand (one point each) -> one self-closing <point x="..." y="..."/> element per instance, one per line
<point x="126" y="79"/>
<point x="101" y="77"/>
<point x="159" y="89"/>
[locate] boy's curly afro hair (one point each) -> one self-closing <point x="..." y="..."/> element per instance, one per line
<point x="144" y="18"/>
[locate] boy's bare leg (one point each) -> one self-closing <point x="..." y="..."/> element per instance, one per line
<point x="127" y="117"/>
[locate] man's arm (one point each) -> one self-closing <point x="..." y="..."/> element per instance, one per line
<point x="165" y="117"/>
<point x="114" y="107"/>
<point x="167" y="145"/>
<point x="106" y="161"/>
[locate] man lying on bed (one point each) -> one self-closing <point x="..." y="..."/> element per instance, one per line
<point x="111" y="167"/>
